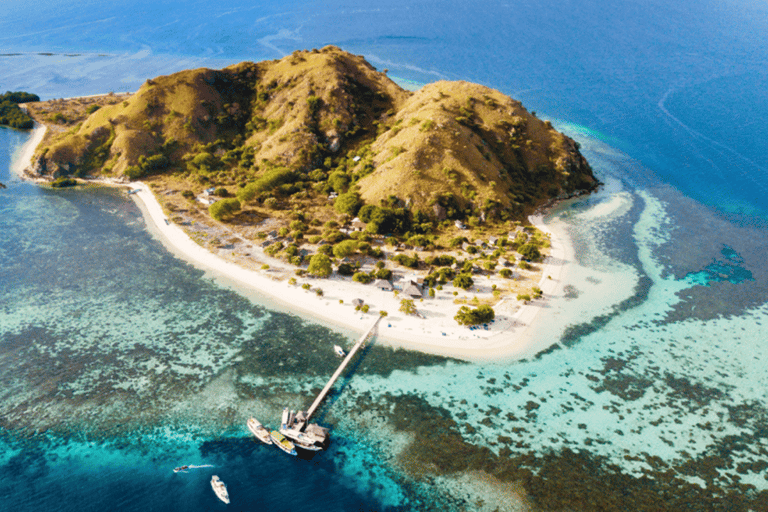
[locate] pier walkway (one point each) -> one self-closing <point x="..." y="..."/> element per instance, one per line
<point x="340" y="369"/>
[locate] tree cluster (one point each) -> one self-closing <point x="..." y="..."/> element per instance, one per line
<point x="480" y="315"/>
<point x="10" y="112"/>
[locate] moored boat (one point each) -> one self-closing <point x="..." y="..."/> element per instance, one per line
<point x="302" y="440"/>
<point x="281" y="442"/>
<point x="339" y="351"/>
<point x="220" y="489"/>
<point x="258" y="430"/>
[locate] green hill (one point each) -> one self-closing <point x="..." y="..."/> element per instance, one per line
<point x="282" y="135"/>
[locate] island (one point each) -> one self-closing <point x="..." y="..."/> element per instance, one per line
<point x="320" y="182"/>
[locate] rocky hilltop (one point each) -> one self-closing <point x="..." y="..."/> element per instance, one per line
<point x="286" y="134"/>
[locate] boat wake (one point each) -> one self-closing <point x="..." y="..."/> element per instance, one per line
<point x="183" y="469"/>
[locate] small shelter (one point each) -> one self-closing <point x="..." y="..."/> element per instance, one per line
<point x="383" y="284"/>
<point x="358" y="302"/>
<point x="413" y="290"/>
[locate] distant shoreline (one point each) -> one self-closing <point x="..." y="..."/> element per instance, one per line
<point x="508" y="337"/>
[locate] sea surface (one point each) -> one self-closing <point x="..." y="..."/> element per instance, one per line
<point x="119" y="361"/>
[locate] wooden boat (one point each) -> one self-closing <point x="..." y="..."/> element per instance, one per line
<point x="301" y="439"/>
<point x="281" y="442"/>
<point x="220" y="489"/>
<point x="258" y="430"/>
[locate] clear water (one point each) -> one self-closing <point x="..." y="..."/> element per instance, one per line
<point x="120" y="362"/>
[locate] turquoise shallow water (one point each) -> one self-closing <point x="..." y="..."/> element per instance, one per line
<point x="120" y="362"/>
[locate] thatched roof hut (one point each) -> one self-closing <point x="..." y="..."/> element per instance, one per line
<point x="413" y="290"/>
<point x="383" y="284"/>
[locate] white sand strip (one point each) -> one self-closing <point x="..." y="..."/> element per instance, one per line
<point x="437" y="333"/>
<point x="23" y="159"/>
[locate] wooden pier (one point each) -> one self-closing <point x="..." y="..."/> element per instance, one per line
<point x="340" y="369"/>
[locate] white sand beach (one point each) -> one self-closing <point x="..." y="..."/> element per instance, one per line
<point x="435" y="331"/>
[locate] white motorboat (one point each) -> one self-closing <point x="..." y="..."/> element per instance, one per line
<point x="258" y="430"/>
<point x="220" y="489"/>
<point x="339" y="351"/>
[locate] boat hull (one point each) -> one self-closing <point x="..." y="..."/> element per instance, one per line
<point x="258" y="430"/>
<point x="220" y="489"/>
<point x="281" y="442"/>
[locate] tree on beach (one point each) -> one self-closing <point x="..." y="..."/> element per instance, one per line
<point x="480" y="315"/>
<point x="408" y="307"/>
<point x="320" y="265"/>
<point x="463" y="281"/>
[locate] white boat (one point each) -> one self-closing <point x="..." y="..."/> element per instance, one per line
<point x="220" y="489"/>
<point x="301" y="439"/>
<point x="281" y="442"/>
<point x="257" y="429"/>
<point x="285" y="419"/>
<point x="339" y="351"/>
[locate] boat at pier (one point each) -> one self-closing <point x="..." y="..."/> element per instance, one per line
<point x="339" y="351"/>
<point x="281" y="442"/>
<point x="220" y="489"/>
<point x="258" y="430"/>
<point x="303" y="440"/>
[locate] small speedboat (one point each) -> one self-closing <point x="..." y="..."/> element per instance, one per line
<point x="339" y="351"/>
<point x="180" y="468"/>
<point x="220" y="489"/>
<point x="258" y="430"/>
<point x="281" y="442"/>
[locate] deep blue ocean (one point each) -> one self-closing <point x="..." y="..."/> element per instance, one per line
<point x="119" y="361"/>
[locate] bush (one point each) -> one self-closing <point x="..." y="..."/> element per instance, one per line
<point x="348" y="203"/>
<point x="365" y="308"/>
<point x="505" y="272"/>
<point x="530" y="252"/>
<point x="432" y="293"/>
<point x="319" y="292"/>
<point x="320" y="266"/>
<point x="224" y="208"/>
<point x="480" y="315"/>
<point x="407" y="261"/>
<point x="269" y="181"/>
<point x="306" y="286"/>
<point x="463" y="281"/>
<point x="383" y="273"/>
<point x="362" y="277"/>
<point x="345" y="269"/>
<point x="270" y="203"/>
<point x="524" y="297"/>
<point x="345" y="248"/>
<point x="333" y="237"/>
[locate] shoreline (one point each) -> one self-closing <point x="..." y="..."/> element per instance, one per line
<point x="509" y="337"/>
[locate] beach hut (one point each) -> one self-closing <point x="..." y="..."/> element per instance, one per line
<point x="358" y="302"/>
<point x="492" y="240"/>
<point x="413" y="290"/>
<point x="383" y="284"/>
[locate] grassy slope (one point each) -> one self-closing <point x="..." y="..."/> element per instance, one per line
<point x="318" y="110"/>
